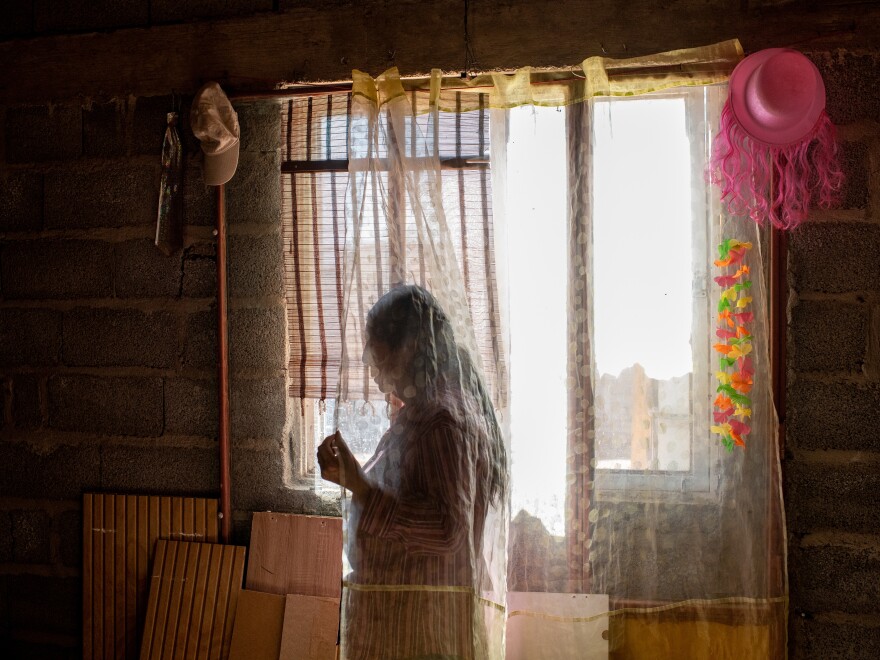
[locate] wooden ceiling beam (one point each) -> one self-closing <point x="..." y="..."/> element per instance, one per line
<point x="317" y="42"/>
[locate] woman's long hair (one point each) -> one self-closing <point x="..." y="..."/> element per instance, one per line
<point x="410" y="315"/>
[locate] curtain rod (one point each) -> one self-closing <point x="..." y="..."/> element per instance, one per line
<point x="339" y="87"/>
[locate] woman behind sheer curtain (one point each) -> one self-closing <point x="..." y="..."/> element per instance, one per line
<point x="421" y="502"/>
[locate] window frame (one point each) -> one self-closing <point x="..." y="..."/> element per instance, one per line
<point x="611" y="483"/>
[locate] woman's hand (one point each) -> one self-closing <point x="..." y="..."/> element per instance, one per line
<point x="339" y="465"/>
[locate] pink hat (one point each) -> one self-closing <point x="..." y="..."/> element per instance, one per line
<point x="777" y="96"/>
<point x="774" y="112"/>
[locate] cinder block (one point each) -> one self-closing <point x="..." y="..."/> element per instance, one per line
<point x="254" y="193"/>
<point x="68" y="526"/>
<point x="256" y="266"/>
<point x="100" y="337"/>
<point x="260" y="124"/>
<point x="258" y="408"/>
<point x="200" y="271"/>
<point x="200" y="347"/>
<point x="199" y="200"/>
<point x="17" y="20"/>
<point x="26" y="401"/>
<point x="104" y="130"/>
<point x="160" y="470"/>
<point x="56" y="269"/>
<point x="30" y="337"/>
<point x="83" y="15"/>
<point x="191" y="407"/>
<point x="170" y="11"/>
<point x="45" y="604"/>
<point x="258" y="485"/>
<point x="851" y="92"/>
<point x="257" y="338"/>
<point x="40" y="133"/>
<point x="61" y="473"/>
<point x="826" y="640"/>
<point x="143" y="271"/>
<point x="114" y="194"/>
<point x="5" y="538"/>
<point x="116" y="406"/>
<point x="854" y="161"/>
<point x="829" y="336"/>
<point x="835" y="578"/>
<point x="825" y="496"/>
<point x="835" y="257"/>
<point x="150" y="119"/>
<point x="30" y="536"/>
<point x="21" y="201"/>
<point x="832" y="416"/>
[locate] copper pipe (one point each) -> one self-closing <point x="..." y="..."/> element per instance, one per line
<point x="223" y="370"/>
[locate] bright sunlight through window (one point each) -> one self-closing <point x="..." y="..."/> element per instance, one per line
<point x="642" y="291"/>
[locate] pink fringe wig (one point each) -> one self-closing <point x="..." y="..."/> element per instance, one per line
<point x="772" y="182"/>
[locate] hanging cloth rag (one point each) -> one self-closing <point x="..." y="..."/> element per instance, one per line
<point x="169" y="222"/>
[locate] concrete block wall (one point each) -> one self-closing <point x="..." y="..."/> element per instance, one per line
<point x="108" y="347"/>
<point x="832" y="457"/>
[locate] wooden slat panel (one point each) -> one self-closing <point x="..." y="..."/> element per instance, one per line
<point x="120" y="588"/>
<point x="186" y="601"/>
<point x="88" y="578"/>
<point x="174" y="598"/>
<point x="153" y="604"/>
<point x="234" y="593"/>
<point x="209" y="606"/>
<point x="132" y="550"/>
<point x="119" y="536"/>
<point x="97" y="534"/>
<point x="196" y="624"/>
<point x="108" y="533"/>
<point x="294" y="554"/>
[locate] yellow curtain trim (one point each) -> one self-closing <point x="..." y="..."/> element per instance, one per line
<point x="594" y="77"/>
<point x="398" y="588"/>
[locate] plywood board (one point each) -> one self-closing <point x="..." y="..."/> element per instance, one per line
<point x="293" y="554"/>
<point x="194" y="590"/>
<point x="550" y="626"/>
<point x="311" y="626"/>
<point x="119" y="535"/>
<point x="256" y="633"/>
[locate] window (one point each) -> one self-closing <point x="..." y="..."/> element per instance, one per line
<point x="651" y="310"/>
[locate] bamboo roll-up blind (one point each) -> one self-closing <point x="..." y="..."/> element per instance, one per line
<point x="315" y="161"/>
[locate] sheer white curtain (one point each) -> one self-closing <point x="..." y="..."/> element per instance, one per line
<point x="661" y="533"/>
<point x="425" y="549"/>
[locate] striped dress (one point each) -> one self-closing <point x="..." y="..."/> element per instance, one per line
<point x="415" y="542"/>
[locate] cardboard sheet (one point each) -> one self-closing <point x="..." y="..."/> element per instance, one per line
<point x="194" y="589"/>
<point x="551" y="626"/>
<point x="311" y="624"/>
<point x="294" y="554"/>
<point x="256" y="633"/>
<point x="119" y="536"/>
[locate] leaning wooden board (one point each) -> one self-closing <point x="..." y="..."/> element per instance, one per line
<point x="295" y="554"/>
<point x="194" y="589"/>
<point x="119" y="535"/>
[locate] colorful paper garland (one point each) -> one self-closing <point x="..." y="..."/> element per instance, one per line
<point x="732" y="407"/>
